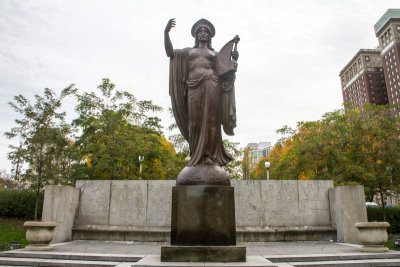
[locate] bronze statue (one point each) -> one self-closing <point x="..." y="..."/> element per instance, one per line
<point x="203" y="98"/>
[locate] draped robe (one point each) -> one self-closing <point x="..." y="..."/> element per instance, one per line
<point x="201" y="106"/>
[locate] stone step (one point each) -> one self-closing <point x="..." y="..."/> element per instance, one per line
<point x="312" y="233"/>
<point x="71" y="256"/>
<point x="349" y="263"/>
<point x="9" y="261"/>
<point x="324" y="233"/>
<point x="24" y="261"/>
<point x="84" y="233"/>
<point x="333" y="257"/>
<point x="54" y="258"/>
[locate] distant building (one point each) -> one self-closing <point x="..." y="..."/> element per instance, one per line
<point x="387" y="30"/>
<point x="258" y="150"/>
<point x="373" y="75"/>
<point x="363" y="79"/>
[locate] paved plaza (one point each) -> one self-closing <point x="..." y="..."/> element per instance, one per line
<point x="253" y="248"/>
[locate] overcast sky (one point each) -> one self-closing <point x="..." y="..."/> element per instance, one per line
<point x="291" y="53"/>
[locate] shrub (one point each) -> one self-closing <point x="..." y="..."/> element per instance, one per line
<point x="19" y="203"/>
<point x="392" y="217"/>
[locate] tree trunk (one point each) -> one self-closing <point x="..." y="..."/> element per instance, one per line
<point x="37" y="201"/>
<point x="383" y="206"/>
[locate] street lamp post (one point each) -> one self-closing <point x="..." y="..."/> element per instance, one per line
<point x="267" y="165"/>
<point x="141" y="158"/>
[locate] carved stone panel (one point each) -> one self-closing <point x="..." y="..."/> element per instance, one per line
<point x="159" y="203"/>
<point x="280" y="202"/>
<point x="94" y="202"/>
<point x="128" y="203"/>
<point x="314" y="202"/>
<point x="248" y="204"/>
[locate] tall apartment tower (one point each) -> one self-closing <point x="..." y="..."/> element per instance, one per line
<point x="363" y="79"/>
<point x="387" y="30"/>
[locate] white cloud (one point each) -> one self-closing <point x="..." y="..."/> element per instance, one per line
<point x="291" y="52"/>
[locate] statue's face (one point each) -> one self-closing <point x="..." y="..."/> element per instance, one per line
<point x="203" y="35"/>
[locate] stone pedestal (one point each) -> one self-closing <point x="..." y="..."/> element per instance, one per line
<point x="373" y="236"/>
<point x="203" y="225"/>
<point x="39" y="235"/>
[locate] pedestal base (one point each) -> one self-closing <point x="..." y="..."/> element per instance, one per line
<point x="203" y="254"/>
<point x="203" y="215"/>
<point x="203" y="227"/>
<point x="203" y="175"/>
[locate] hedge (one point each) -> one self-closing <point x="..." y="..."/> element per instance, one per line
<point x="19" y="203"/>
<point x="392" y="217"/>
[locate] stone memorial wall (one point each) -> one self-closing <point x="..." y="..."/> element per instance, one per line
<point x="126" y="204"/>
<point x="274" y="210"/>
<point x="259" y="204"/>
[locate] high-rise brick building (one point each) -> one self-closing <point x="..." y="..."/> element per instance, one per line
<point x="387" y="30"/>
<point x="363" y="79"/>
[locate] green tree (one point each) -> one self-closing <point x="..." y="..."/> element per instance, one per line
<point x="247" y="164"/>
<point x="43" y="137"/>
<point x="348" y="146"/>
<point x="234" y="168"/>
<point x="116" y="130"/>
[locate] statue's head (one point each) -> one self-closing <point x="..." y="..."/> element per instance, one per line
<point x="203" y="31"/>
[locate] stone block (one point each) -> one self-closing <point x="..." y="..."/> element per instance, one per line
<point x="203" y="215"/>
<point x="128" y="203"/>
<point x="314" y="207"/>
<point x="159" y="203"/>
<point x="347" y="205"/>
<point x="248" y="205"/>
<point x="203" y="254"/>
<point x="60" y="205"/>
<point x="94" y="203"/>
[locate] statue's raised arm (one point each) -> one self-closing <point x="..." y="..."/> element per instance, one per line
<point x="167" y="41"/>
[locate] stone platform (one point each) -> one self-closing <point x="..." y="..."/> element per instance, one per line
<point x="124" y="254"/>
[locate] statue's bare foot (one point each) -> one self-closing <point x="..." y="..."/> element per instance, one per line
<point x="208" y="161"/>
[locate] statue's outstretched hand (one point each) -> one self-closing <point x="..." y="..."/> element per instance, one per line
<point x="171" y="23"/>
<point x="235" y="55"/>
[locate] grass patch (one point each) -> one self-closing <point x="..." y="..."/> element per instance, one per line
<point x="10" y="232"/>
<point x="390" y="243"/>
